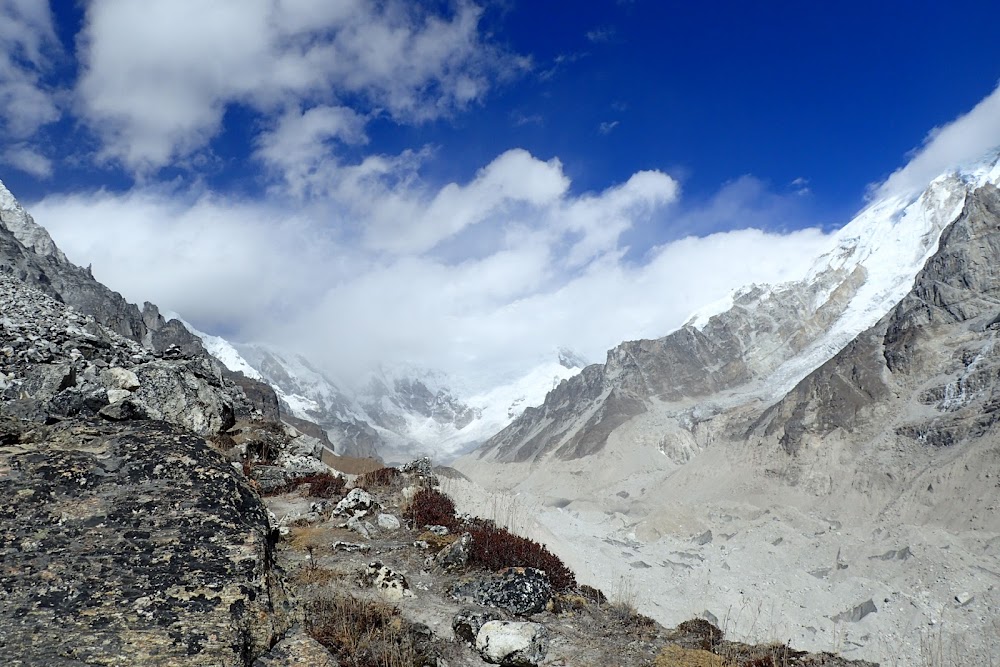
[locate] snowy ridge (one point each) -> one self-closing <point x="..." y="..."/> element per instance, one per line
<point x="388" y="400"/>
<point x="220" y="348"/>
<point x="889" y="242"/>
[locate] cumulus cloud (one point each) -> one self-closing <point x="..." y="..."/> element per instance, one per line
<point x="158" y="76"/>
<point x="553" y="272"/>
<point x="27" y="43"/>
<point x="964" y="139"/>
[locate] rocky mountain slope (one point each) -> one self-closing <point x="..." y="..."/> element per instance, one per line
<point x="129" y="536"/>
<point x="831" y="441"/>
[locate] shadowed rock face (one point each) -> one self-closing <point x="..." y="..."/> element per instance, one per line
<point x="934" y="354"/>
<point x="130" y="544"/>
<point x="28" y="253"/>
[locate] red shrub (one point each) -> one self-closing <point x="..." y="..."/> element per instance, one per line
<point x="431" y="507"/>
<point x="495" y="548"/>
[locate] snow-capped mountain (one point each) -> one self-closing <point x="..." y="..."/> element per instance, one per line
<point x="393" y="413"/>
<point x="755" y="346"/>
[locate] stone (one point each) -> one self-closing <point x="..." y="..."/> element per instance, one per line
<point x="297" y="649"/>
<point x="455" y="555"/>
<point x="116" y="395"/>
<point x="124" y="411"/>
<point x="964" y="598"/>
<point x="357" y="503"/>
<point x="350" y="547"/>
<point x="360" y="526"/>
<point x="119" y="378"/>
<point x="387" y="522"/>
<point x="857" y="613"/>
<point x="512" y="643"/>
<point x="519" y="590"/>
<point x="467" y="623"/>
<point x="390" y="583"/>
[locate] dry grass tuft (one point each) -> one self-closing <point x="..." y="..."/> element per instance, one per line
<point x="383" y="478"/>
<point x="438" y="542"/>
<point x="309" y="574"/>
<point x="361" y="632"/>
<point x="675" y="656"/>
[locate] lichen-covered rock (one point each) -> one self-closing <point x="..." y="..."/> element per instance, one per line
<point x="357" y="504"/>
<point x="467" y="623"/>
<point x="390" y="583"/>
<point x="189" y="393"/>
<point x="512" y="643"/>
<point x="131" y="543"/>
<point x="519" y="590"/>
<point x="455" y="555"/>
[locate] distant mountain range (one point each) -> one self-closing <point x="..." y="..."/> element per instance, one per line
<point x="396" y="414"/>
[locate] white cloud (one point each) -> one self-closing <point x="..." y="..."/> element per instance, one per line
<point x="27" y="39"/>
<point x="602" y="34"/>
<point x="159" y="75"/>
<point x="298" y="145"/>
<point x="552" y="271"/>
<point x="607" y="126"/>
<point x="28" y="160"/>
<point x="965" y="139"/>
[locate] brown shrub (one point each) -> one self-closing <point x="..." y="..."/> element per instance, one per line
<point x="361" y="632"/>
<point x="381" y="478"/>
<point x="495" y="548"/>
<point x="430" y="507"/>
<point x="321" y="485"/>
<point x="324" y="485"/>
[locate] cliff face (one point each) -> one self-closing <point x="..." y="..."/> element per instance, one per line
<point x="929" y="368"/>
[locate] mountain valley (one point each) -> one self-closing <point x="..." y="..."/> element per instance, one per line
<point x="815" y="462"/>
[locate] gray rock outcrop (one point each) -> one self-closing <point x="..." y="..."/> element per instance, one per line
<point x="133" y="543"/>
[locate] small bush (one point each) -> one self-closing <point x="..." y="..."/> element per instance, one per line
<point x="593" y="594"/>
<point x="495" y="548"/>
<point x="430" y="507"/>
<point x="361" y="633"/>
<point x="321" y="485"/>
<point x="381" y="478"/>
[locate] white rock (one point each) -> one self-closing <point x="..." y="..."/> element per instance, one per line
<point x="387" y="522"/>
<point x="120" y="378"/>
<point x="512" y="643"/>
<point x="115" y="395"/>
<point x="357" y="503"/>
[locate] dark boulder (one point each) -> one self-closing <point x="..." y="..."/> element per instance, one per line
<point x="131" y="543"/>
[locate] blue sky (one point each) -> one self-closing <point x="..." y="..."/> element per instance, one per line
<point x="445" y="175"/>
